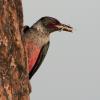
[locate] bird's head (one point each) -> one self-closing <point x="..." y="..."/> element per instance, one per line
<point x="51" y="25"/>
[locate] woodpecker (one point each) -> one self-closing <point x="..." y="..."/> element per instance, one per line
<point x="36" y="40"/>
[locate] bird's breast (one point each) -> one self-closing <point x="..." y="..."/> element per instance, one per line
<point x="33" y="45"/>
<point x="33" y="58"/>
<point x="32" y="51"/>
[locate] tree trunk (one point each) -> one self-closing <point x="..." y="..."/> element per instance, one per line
<point x="14" y="81"/>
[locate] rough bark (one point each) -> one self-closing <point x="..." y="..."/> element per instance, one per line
<point x="14" y="82"/>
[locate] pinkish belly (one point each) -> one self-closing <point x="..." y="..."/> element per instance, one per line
<point x="33" y="58"/>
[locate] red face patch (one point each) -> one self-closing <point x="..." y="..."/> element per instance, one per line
<point x="51" y="25"/>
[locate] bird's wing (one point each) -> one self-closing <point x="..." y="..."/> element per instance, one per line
<point x="39" y="60"/>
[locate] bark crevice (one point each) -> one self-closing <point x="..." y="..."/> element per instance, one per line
<point x="14" y="81"/>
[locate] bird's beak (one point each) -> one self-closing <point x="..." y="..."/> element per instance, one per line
<point x="63" y="27"/>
